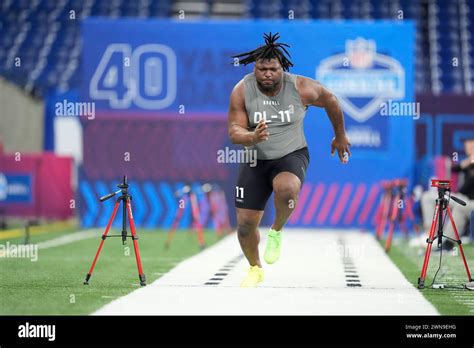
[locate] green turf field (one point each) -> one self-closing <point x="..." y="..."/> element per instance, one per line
<point x="53" y="285"/>
<point x="452" y="300"/>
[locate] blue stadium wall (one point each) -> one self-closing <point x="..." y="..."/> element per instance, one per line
<point x="161" y="91"/>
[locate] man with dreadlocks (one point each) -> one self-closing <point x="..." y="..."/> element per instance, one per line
<point x="266" y="113"/>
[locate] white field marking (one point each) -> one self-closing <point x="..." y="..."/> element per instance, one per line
<point x="69" y="238"/>
<point x="308" y="279"/>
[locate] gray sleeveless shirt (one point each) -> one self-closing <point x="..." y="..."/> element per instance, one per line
<point x="284" y="114"/>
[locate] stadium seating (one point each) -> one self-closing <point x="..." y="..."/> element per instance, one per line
<point x="40" y="46"/>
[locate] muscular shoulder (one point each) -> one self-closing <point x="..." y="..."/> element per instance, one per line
<point x="239" y="90"/>
<point x="237" y="96"/>
<point x="311" y="91"/>
<point x="308" y="89"/>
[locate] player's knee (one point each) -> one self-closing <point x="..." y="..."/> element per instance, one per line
<point x="287" y="192"/>
<point x="245" y="227"/>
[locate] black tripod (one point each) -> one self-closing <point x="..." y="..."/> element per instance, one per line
<point x="125" y="198"/>
<point x="441" y="210"/>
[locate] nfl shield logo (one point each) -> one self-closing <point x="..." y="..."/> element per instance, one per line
<point x="360" y="53"/>
<point x="368" y="81"/>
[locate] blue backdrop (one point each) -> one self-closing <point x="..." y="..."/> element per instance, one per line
<point x="160" y="68"/>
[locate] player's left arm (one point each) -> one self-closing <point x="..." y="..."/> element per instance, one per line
<point x="315" y="94"/>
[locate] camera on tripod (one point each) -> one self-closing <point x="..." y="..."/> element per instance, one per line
<point x="442" y="211"/>
<point x="443" y="184"/>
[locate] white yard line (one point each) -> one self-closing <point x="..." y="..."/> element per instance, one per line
<point x="63" y="240"/>
<point x="69" y="238"/>
<point x="320" y="272"/>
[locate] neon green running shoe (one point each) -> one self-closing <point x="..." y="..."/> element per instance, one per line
<point x="254" y="276"/>
<point x="272" y="250"/>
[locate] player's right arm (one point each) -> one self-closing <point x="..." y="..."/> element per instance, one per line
<point x="238" y="123"/>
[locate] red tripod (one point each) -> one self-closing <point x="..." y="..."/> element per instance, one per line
<point x="383" y="210"/>
<point x="224" y="212"/>
<point x="441" y="206"/>
<point x="218" y="208"/>
<point x="188" y="196"/>
<point x="125" y="198"/>
<point x="400" y="214"/>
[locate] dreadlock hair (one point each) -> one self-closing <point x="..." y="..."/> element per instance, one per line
<point x="270" y="50"/>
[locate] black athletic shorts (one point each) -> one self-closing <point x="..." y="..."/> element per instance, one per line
<point x="254" y="185"/>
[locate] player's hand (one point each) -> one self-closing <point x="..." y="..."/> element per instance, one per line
<point x="341" y="144"/>
<point x="260" y="133"/>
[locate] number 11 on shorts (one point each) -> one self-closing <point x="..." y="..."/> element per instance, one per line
<point x="239" y="192"/>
